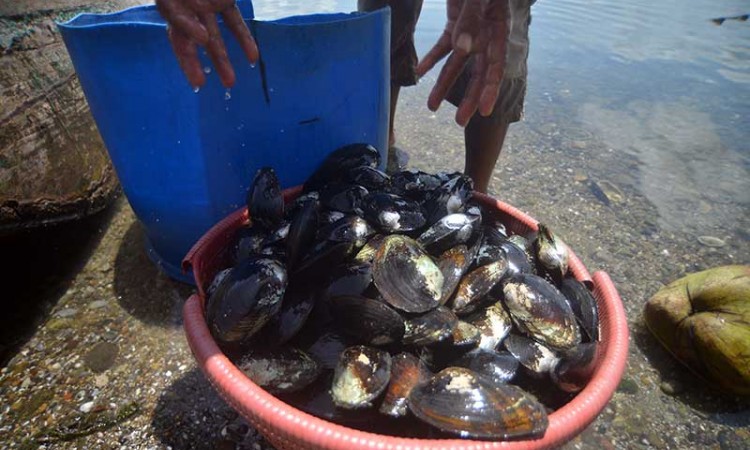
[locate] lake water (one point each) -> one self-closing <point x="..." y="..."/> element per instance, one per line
<point x="658" y="81"/>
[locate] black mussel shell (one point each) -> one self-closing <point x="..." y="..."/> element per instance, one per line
<point x="407" y="371"/>
<point x="327" y="348"/>
<point x="371" y="321"/>
<point x="370" y="178"/>
<point x="495" y="231"/>
<point x="414" y="184"/>
<point x="518" y="259"/>
<point x="430" y="328"/>
<point x="489" y="252"/>
<point x="537" y="358"/>
<point x="280" y="370"/>
<point x="461" y="402"/>
<point x="449" y="198"/>
<point x="246" y="299"/>
<point x="542" y="312"/>
<point x="497" y="366"/>
<point x="302" y="229"/>
<point x="551" y="254"/>
<point x="493" y="323"/>
<point x="295" y="309"/>
<point x="264" y="200"/>
<point x="346" y="198"/>
<point x="392" y="213"/>
<point x="584" y="307"/>
<point x="216" y="282"/>
<point x="453" y="264"/>
<point x="348" y="228"/>
<point x="361" y="375"/>
<point x="349" y="279"/>
<point x="339" y="162"/>
<point x="449" y="231"/>
<point x="576" y="367"/>
<point x="315" y="267"/>
<point x="330" y="217"/>
<point x="248" y="241"/>
<point x="406" y="276"/>
<point x="476" y="284"/>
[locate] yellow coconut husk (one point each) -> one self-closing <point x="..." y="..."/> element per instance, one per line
<point x="703" y="319"/>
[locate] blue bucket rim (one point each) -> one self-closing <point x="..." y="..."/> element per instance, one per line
<point x="96" y="20"/>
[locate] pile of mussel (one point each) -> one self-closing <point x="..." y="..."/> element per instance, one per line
<point x="398" y="304"/>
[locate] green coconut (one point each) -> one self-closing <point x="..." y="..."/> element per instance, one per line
<point x="703" y="319"/>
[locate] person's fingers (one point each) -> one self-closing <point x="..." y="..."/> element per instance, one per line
<point x="469" y="103"/>
<point x="467" y="28"/>
<point x="448" y="75"/>
<point x="217" y="51"/>
<point x="233" y="20"/>
<point x="439" y="51"/>
<point x="187" y="56"/>
<point x="491" y="89"/>
<point x="184" y="19"/>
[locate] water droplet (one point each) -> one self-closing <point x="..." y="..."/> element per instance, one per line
<point x="227" y="94"/>
<point x="243" y="144"/>
<point x="282" y="130"/>
<point x="196" y="89"/>
<point x="252" y="65"/>
<point x="226" y="109"/>
<point x="179" y="142"/>
<point x="240" y="126"/>
<point x="270" y="90"/>
<point x="206" y="70"/>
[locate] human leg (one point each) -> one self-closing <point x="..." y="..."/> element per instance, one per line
<point x="484" y="140"/>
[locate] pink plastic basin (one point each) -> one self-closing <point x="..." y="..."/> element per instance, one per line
<point x="289" y="428"/>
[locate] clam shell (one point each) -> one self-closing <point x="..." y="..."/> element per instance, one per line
<point x="430" y="328"/>
<point x="406" y="276"/>
<point x="392" y="213"/>
<point x="453" y="264"/>
<point x="264" y="200"/>
<point x="449" y="231"/>
<point x="407" y="371"/>
<point x="476" y="284"/>
<point x="535" y="357"/>
<point x="361" y="375"/>
<point x="498" y="366"/>
<point x="459" y="401"/>
<point x="584" y="306"/>
<point x="493" y="323"/>
<point x="280" y="370"/>
<point x="542" y="312"/>
<point x="371" y="321"/>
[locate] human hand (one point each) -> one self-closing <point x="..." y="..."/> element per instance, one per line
<point x="476" y="28"/>
<point x="192" y="23"/>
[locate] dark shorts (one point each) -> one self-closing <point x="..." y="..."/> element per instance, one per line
<point x="404" y="17"/>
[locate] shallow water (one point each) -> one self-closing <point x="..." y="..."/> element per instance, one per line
<point x="660" y="82"/>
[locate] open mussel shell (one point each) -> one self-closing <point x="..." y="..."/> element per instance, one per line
<point x="361" y="375"/>
<point x="497" y="366"/>
<point x="392" y="213"/>
<point x="371" y="321"/>
<point x="541" y="311"/>
<point x="406" y="276"/>
<point x="339" y="162"/>
<point x="343" y="197"/>
<point x="246" y="299"/>
<point x="459" y="401"/>
<point x="576" y="367"/>
<point x="538" y="359"/>
<point x="280" y="370"/>
<point x="430" y="328"/>
<point x="449" y="231"/>
<point x="476" y="284"/>
<point x="551" y="253"/>
<point x="493" y="323"/>
<point x="407" y="371"/>
<point x="264" y="200"/>
<point x="370" y="178"/>
<point x="451" y="197"/>
<point x="583" y="304"/>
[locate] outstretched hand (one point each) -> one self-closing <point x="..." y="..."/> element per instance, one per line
<point x="192" y="23"/>
<point x="476" y="28"/>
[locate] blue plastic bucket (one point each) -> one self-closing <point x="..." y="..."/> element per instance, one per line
<point x="186" y="159"/>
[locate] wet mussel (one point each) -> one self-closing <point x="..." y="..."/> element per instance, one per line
<point x="396" y="304"/>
